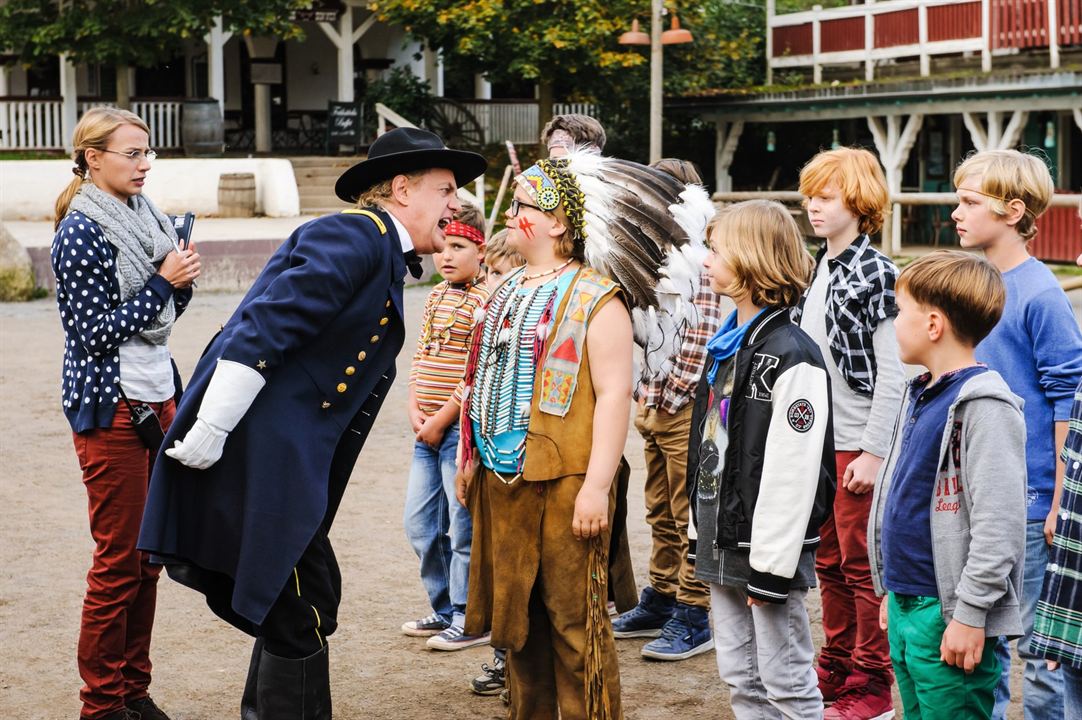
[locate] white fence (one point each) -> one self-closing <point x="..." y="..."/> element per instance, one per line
<point x="36" y="124"/>
<point x="516" y="121"/>
<point x="31" y="125"/>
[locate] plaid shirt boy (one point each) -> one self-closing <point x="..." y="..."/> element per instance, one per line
<point x="859" y="296"/>
<point x="1057" y="630"/>
<point x="676" y="390"/>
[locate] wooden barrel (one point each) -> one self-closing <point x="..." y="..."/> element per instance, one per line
<point x="201" y="128"/>
<point x="236" y="195"/>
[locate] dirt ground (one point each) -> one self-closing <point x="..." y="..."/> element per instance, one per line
<point x="200" y="662"/>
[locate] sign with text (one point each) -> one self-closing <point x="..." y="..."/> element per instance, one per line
<point x="343" y="124"/>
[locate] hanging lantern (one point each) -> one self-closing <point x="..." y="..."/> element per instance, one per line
<point x="1050" y="134"/>
<point x="770" y="141"/>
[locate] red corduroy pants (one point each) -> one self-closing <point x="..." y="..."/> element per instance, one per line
<point x="850" y="606"/>
<point x="118" y="610"/>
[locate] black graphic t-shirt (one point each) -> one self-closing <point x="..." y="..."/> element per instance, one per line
<point x="718" y="565"/>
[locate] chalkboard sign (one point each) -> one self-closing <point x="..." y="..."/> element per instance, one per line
<point x="344" y="124"/>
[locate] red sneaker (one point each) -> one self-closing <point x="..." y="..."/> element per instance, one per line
<point x="831" y="681"/>
<point x="864" y="697"/>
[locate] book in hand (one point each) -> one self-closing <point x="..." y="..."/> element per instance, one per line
<point x="183" y="225"/>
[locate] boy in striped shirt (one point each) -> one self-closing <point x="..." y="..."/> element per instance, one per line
<point x="437" y="525"/>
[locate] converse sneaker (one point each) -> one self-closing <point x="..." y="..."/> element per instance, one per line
<point x="426" y="626"/>
<point x="647" y="618"/>
<point x="864" y="697"/>
<point x="685" y="635"/>
<point x="453" y="638"/>
<point x="491" y="679"/>
<point x="831" y="680"/>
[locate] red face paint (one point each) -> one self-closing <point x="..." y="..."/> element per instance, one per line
<point x="526" y="227"/>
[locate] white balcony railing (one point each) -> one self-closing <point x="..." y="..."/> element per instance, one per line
<point x="35" y="124"/>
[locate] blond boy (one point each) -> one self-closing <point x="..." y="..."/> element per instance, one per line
<point x="1037" y="348"/>
<point x="946" y="536"/>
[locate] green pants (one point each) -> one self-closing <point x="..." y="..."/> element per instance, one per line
<point x="930" y="688"/>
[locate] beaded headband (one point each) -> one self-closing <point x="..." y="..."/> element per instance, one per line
<point x="550" y="183"/>
<point x="462" y="230"/>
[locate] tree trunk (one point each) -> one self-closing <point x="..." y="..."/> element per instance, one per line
<point x="123" y="87"/>
<point x="545" y="89"/>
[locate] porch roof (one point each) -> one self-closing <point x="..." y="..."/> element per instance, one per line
<point x="924" y="96"/>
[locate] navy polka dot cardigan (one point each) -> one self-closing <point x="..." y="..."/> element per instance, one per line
<point x="96" y="323"/>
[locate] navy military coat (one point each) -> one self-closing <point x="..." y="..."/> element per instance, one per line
<point x="323" y="324"/>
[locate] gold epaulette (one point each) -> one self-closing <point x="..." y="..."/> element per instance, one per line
<point x="371" y="216"/>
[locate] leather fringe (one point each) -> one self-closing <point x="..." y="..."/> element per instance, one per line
<point x="597" y="696"/>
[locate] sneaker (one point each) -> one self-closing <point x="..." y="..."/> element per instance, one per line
<point x="490" y="681"/>
<point x="122" y="714"/>
<point x="831" y="680"/>
<point x="146" y="709"/>
<point x="864" y="697"/>
<point x="425" y="627"/>
<point x="453" y="638"/>
<point x="647" y="618"/>
<point x="685" y="635"/>
<point x="610" y="608"/>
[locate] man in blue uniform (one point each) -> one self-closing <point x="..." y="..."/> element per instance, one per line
<point x="264" y="441"/>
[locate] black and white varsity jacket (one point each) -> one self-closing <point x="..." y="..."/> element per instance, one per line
<point x="778" y="481"/>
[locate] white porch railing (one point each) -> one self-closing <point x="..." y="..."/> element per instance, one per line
<point x="516" y="121"/>
<point x="30" y="125"/>
<point x="35" y="124"/>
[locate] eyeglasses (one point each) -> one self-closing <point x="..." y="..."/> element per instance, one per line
<point x="516" y="204"/>
<point x="136" y="155"/>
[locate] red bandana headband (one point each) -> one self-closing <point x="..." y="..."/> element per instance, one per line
<point x="465" y="231"/>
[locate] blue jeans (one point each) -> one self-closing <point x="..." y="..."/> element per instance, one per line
<point x="439" y="527"/>
<point x="1072" y="692"/>
<point x="1042" y="690"/>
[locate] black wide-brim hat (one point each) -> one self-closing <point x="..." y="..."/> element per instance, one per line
<point x="404" y="150"/>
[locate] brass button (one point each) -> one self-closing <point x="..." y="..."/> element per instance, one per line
<point x="388" y="304"/>
<point x="362" y="355"/>
<point x="383" y="321"/>
<point x="375" y="338"/>
<point x="350" y="370"/>
<point x="326" y="404"/>
<point x="341" y="387"/>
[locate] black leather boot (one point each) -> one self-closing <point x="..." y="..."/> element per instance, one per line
<point x="293" y="689"/>
<point x="247" y="700"/>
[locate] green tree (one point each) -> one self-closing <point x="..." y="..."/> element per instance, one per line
<point x="549" y="41"/>
<point x="125" y="33"/>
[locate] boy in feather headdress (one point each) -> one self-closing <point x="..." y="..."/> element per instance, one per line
<point x="548" y="393"/>
<point x="553" y="356"/>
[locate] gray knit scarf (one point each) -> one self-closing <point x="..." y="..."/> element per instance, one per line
<point x="143" y="236"/>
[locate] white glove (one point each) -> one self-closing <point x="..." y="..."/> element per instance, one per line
<point x="231" y="391"/>
<point x="201" y="447"/>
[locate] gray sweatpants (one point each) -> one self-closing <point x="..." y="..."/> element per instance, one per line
<point x="765" y="656"/>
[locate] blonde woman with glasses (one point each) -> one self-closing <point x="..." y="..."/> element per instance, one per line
<point x="121" y="284"/>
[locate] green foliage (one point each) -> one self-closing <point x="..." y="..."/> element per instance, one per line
<point x="17" y="284"/>
<point x="401" y="91"/>
<point x="131" y="32"/>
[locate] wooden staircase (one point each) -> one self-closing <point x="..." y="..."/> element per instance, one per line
<point x="315" y="182"/>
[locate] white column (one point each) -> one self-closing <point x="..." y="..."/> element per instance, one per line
<point x="770" y="12"/>
<point x="894" y="142"/>
<point x="656" y="80"/>
<point x="996" y="136"/>
<point x="344" y="38"/>
<point x="482" y="89"/>
<point x="922" y="39"/>
<point x="1077" y="117"/>
<point x="1053" y="35"/>
<point x="817" y="69"/>
<point x="4" y="73"/>
<point x="986" y="35"/>
<point x="69" y="109"/>
<point x="728" y="135"/>
<point x="869" y="40"/>
<point x="216" y="40"/>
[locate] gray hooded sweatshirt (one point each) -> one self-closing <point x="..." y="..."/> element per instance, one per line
<point x="977" y="509"/>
